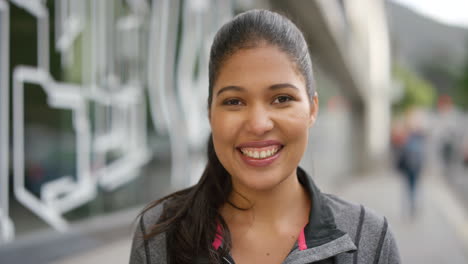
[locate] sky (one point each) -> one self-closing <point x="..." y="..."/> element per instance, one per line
<point x="454" y="12"/>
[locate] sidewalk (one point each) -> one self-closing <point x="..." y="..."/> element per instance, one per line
<point x="115" y="253"/>
<point x="439" y="233"/>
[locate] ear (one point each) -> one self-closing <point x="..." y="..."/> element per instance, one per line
<point x="314" y="108"/>
<point x="209" y="112"/>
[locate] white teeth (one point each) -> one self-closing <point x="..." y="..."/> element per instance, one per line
<point x="260" y="154"/>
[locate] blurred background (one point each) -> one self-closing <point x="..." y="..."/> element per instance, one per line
<point x="103" y="110"/>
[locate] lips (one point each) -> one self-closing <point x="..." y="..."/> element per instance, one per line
<point x="260" y="153"/>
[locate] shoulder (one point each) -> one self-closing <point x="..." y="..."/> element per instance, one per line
<point x="349" y="216"/>
<point x="151" y="250"/>
<point x="151" y="216"/>
<point x="369" y="230"/>
<point x="345" y="212"/>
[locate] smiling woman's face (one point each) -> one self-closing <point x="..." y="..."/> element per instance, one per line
<point x="260" y="115"/>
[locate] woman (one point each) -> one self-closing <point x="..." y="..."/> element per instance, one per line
<point x="253" y="204"/>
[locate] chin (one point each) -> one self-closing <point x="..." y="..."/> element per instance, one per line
<point x="261" y="182"/>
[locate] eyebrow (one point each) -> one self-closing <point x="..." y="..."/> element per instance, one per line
<point x="282" y="85"/>
<point x="242" y="89"/>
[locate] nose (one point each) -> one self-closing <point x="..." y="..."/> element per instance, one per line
<point x="259" y="121"/>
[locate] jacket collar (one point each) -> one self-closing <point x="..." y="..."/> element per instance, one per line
<point x="321" y="227"/>
<point x="320" y="238"/>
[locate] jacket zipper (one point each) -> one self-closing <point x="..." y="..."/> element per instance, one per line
<point x="227" y="260"/>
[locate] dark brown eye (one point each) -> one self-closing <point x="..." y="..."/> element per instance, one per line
<point x="232" y="102"/>
<point x="282" y="99"/>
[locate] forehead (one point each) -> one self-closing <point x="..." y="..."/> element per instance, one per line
<point x="261" y="66"/>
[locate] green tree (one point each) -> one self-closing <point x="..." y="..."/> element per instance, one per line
<point x="416" y="90"/>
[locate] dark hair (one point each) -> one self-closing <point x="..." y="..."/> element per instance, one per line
<point x="190" y="217"/>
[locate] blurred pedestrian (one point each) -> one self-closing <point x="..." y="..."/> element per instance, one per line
<point x="409" y="158"/>
<point x="465" y="143"/>
<point x="465" y="156"/>
<point x="448" y="134"/>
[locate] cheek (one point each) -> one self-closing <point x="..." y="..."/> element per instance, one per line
<point x="223" y="126"/>
<point x="295" y="121"/>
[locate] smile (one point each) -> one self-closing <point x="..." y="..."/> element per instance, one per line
<point x="260" y="153"/>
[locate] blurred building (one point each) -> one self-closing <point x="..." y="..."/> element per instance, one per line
<point x="349" y="42"/>
<point x="103" y="103"/>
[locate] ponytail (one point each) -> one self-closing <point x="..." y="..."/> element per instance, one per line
<point x="190" y="217"/>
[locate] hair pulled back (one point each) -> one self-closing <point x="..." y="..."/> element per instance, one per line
<point x="260" y="27"/>
<point x="190" y="217"/>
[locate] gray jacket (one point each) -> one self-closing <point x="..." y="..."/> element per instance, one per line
<point x="338" y="232"/>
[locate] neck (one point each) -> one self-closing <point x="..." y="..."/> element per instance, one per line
<point x="269" y="206"/>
